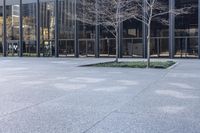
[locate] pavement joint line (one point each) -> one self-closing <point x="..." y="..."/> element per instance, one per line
<point x="99" y="121"/>
<point x="151" y="84"/>
<point x="173" y="66"/>
<point x="138" y="94"/>
<point x="71" y="69"/>
<point x="31" y="106"/>
<point x="156" y="114"/>
<point x="134" y="98"/>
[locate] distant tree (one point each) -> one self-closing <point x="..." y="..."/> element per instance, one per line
<point x="147" y="11"/>
<point x="107" y="13"/>
<point x="111" y="13"/>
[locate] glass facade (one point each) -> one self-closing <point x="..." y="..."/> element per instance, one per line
<point x="107" y="43"/>
<point x="78" y="39"/>
<point x="186" y="31"/>
<point x="132" y="45"/>
<point x="29" y="28"/>
<point x="1" y="29"/>
<point x="47" y="23"/>
<point x="12" y="26"/>
<point x="66" y="28"/>
<point x="160" y="35"/>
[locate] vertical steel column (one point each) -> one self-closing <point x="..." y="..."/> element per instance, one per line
<point x="38" y="28"/>
<point x="76" y="44"/>
<point x="199" y="29"/>
<point x="97" y="28"/>
<point x="97" y="41"/>
<point x="171" y="29"/>
<point x="20" y="29"/>
<point x="56" y="29"/>
<point x="158" y="47"/>
<point x="4" y="30"/>
<point x="120" y="35"/>
<point x="144" y="32"/>
<point x="121" y="40"/>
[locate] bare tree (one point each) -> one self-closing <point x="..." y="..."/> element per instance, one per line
<point x="111" y="13"/>
<point x="107" y="13"/>
<point x="147" y="11"/>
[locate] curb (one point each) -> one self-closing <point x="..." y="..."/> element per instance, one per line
<point x="173" y="66"/>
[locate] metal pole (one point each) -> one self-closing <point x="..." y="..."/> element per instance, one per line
<point x="20" y="30"/>
<point x="199" y="29"/>
<point x="4" y="30"/>
<point x="158" y="47"/>
<point x="171" y="29"/>
<point x="38" y="28"/>
<point x="121" y="40"/>
<point x="76" y="42"/>
<point x="144" y="32"/>
<point x="56" y="29"/>
<point x="97" y="32"/>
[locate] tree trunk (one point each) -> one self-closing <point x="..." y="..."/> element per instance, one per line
<point x="117" y="44"/>
<point x="148" y="46"/>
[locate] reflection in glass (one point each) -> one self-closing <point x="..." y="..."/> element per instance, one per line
<point x="186" y="30"/>
<point x="47" y="14"/>
<point x="1" y="29"/>
<point x="107" y="42"/>
<point x="12" y="25"/>
<point x="132" y="45"/>
<point x="66" y="27"/>
<point x="86" y="39"/>
<point x="29" y="29"/>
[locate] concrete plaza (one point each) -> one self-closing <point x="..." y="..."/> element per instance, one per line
<point x="55" y="95"/>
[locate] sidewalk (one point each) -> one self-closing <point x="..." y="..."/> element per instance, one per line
<point x="49" y="95"/>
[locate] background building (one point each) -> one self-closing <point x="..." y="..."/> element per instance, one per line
<point x="44" y="28"/>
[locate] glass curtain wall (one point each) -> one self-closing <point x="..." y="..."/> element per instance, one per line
<point x="160" y="34"/>
<point x="66" y="28"/>
<point x="86" y="39"/>
<point x="132" y="45"/>
<point x="47" y="18"/>
<point x="186" y="30"/>
<point x="29" y="28"/>
<point x="107" y="42"/>
<point x="12" y="25"/>
<point x="86" y="35"/>
<point x="1" y="29"/>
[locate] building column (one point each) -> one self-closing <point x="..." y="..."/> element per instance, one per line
<point x="144" y="32"/>
<point x="199" y="29"/>
<point x="56" y="29"/>
<point x="4" y="30"/>
<point x="144" y="40"/>
<point x="38" y="28"/>
<point x="20" y="29"/>
<point x="171" y="29"/>
<point x="97" y="34"/>
<point x="76" y="28"/>
<point x="97" y="30"/>
<point x="121" y="40"/>
<point x="97" y="41"/>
